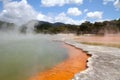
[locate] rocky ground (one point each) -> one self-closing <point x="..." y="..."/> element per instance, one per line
<point x="104" y="64"/>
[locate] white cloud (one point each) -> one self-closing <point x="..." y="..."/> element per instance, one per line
<point x="62" y="17"/>
<point x="106" y="1"/>
<point x="74" y="11"/>
<point x="49" y="3"/>
<point x="20" y="12"/>
<point x="43" y="17"/>
<point x="96" y="14"/>
<point x="101" y="20"/>
<point x="17" y="12"/>
<point x="117" y="4"/>
<point x="5" y="0"/>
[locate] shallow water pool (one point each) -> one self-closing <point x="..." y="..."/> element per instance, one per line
<point x="24" y="56"/>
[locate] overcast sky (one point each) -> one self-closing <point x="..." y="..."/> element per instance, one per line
<point x="66" y="11"/>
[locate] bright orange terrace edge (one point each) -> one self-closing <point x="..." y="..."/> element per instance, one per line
<point x="65" y="70"/>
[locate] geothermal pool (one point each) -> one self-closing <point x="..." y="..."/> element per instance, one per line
<point x="22" y="56"/>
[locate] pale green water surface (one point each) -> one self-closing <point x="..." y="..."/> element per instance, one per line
<point x="23" y="56"/>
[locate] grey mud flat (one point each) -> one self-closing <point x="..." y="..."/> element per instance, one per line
<point x="104" y="64"/>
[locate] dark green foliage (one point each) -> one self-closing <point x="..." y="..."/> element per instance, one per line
<point x="85" y="28"/>
<point x="5" y="26"/>
<point x="99" y="28"/>
<point x="43" y="28"/>
<point x="55" y="28"/>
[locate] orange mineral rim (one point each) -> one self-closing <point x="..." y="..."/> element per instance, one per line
<point x="65" y="70"/>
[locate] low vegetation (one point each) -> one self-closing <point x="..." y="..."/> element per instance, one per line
<point x="99" y="28"/>
<point x="5" y="26"/>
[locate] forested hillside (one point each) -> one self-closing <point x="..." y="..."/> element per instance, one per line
<point x="6" y="26"/>
<point x="100" y="28"/>
<point x="85" y="28"/>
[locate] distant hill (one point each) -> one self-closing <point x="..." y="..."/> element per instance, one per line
<point x="58" y="24"/>
<point x="46" y="27"/>
<point x="37" y="26"/>
<point x="6" y="26"/>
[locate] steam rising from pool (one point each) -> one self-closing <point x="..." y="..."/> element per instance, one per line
<point x="23" y="55"/>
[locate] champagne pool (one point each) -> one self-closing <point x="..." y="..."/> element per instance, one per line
<point x="22" y="56"/>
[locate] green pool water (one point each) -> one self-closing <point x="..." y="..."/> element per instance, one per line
<point x="22" y="57"/>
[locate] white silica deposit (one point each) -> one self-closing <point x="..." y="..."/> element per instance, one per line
<point x="104" y="64"/>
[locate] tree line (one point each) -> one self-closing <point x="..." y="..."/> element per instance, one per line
<point x="100" y="28"/>
<point x="87" y="27"/>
